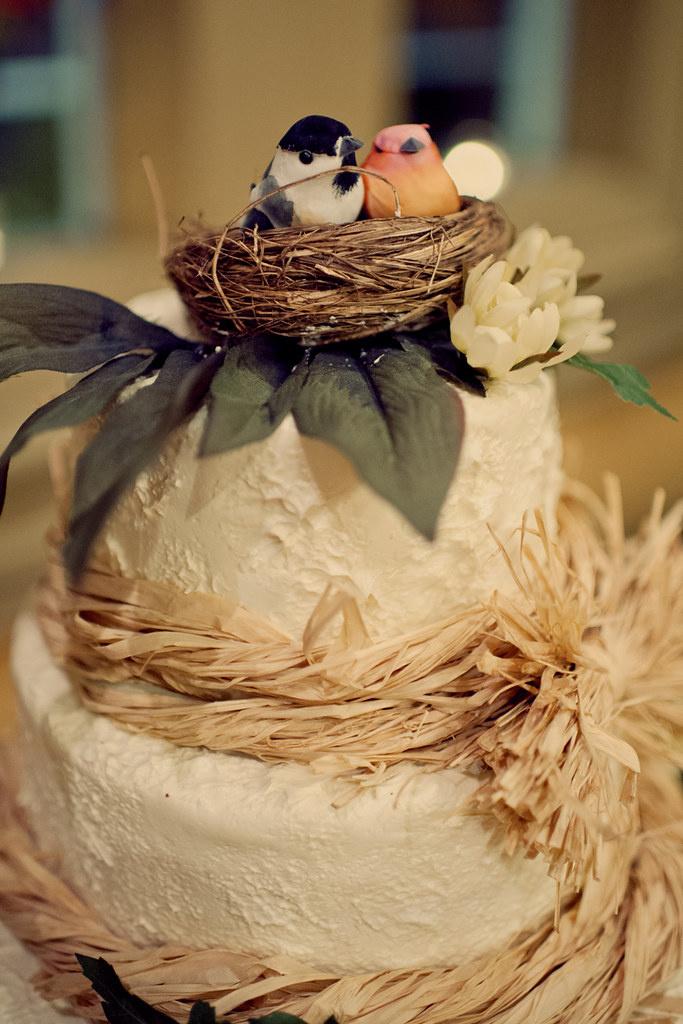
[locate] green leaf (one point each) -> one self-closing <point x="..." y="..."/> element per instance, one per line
<point x="628" y="382"/>
<point x="131" y="437"/>
<point x="87" y="398"/>
<point x="47" y="327"/>
<point x="120" y="1006"/>
<point x="277" y="1017"/>
<point x="448" y="360"/>
<point x="202" y="1013"/>
<point x="395" y="419"/>
<point x="252" y="393"/>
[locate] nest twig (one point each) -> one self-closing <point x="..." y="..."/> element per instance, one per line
<point x="333" y="283"/>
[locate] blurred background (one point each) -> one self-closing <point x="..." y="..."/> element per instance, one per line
<point x="568" y="111"/>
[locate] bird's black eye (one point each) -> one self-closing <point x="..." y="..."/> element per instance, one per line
<point x="306" y="156"/>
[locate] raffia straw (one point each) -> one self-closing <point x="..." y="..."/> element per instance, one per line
<point x="599" y="967"/>
<point x="555" y="690"/>
<point x="160" y="211"/>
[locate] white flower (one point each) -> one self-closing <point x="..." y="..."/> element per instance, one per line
<point x="582" y="323"/>
<point x="535" y="247"/>
<point x="522" y="313"/>
<point x="497" y="330"/>
<point x="549" y="268"/>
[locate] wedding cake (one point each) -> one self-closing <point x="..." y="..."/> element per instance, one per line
<point x="286" y="743"/>
<point x="277" y="858"/>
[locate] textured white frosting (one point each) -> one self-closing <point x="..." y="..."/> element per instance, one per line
<point x="182" y="845"/>
<point x="190" y="846"/>
<point x="19" y="1002"/>
<point x="272" y="524"/>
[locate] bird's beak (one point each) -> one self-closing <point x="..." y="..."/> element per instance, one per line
<point x="411" y="145"/>
<point x="349" y="145"/>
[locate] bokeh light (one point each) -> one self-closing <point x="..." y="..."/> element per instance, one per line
<point x="478" y="168"/>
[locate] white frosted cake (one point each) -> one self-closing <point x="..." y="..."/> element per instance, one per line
<point x="253" y="853"/>
<point x="271" y="525"/>
<point x="267" y="858"/>
<point x="284" y="750"/>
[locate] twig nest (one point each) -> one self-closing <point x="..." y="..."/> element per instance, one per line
<point x="329" y="283"/>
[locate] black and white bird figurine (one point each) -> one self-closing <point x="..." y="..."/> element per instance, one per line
<point x="311" y="145"/>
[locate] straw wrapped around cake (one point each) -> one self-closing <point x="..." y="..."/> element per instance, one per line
<point x="334" y="283"/>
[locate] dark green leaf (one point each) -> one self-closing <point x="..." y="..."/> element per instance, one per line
<point x="280" y="1018"/>
<point x="394" y="418"/>
<point x="120" y="1006"/>
<point x="252" y="393"/>
<point x="47" y="327"/>
<point x="628" y="382"/>
<point x="449" y="362"/>
<point x="132" y="436"/>
<point x="453" y="365"/>
<point x="202" y="1013"/>
<point x="277" y="1017"/>
<point x="87" y="398"/>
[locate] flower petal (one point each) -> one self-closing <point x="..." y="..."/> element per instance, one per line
<point x="463" y="324"/>
<point x="564" y="353"/>
<point x="505" y="314"/>
<point x="492" y="350"/>
<point x="588" y="307"/>
<point x="596" y="342"/>
<point x="538" y="331"/>
<point x="560" y="252"/>
<point x="529" y="244"/>
<point x="526" y="374"/>
<point x="473" y="278"/>
<point x="485" y="291"/>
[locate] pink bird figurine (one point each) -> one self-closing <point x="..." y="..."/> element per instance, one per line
<point x="406" y="155"/>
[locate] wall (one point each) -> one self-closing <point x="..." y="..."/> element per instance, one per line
<point x="208" y="87"/>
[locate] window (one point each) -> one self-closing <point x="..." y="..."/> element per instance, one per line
<point x="476" y="71"/>
<point x="54" y="147"/>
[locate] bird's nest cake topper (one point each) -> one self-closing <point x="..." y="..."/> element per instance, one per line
<point x="336" y="283"/>
<point x="298" y="263"/>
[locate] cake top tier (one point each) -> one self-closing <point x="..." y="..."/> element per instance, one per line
<point x="272" y="525"/>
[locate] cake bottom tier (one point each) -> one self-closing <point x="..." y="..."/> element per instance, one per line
<point x="599" y="967"/>
<point x="208" y="849"/>
<point x="19" y="1002"/>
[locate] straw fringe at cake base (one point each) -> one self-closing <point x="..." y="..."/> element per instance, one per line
<point x="570" y="694"/>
